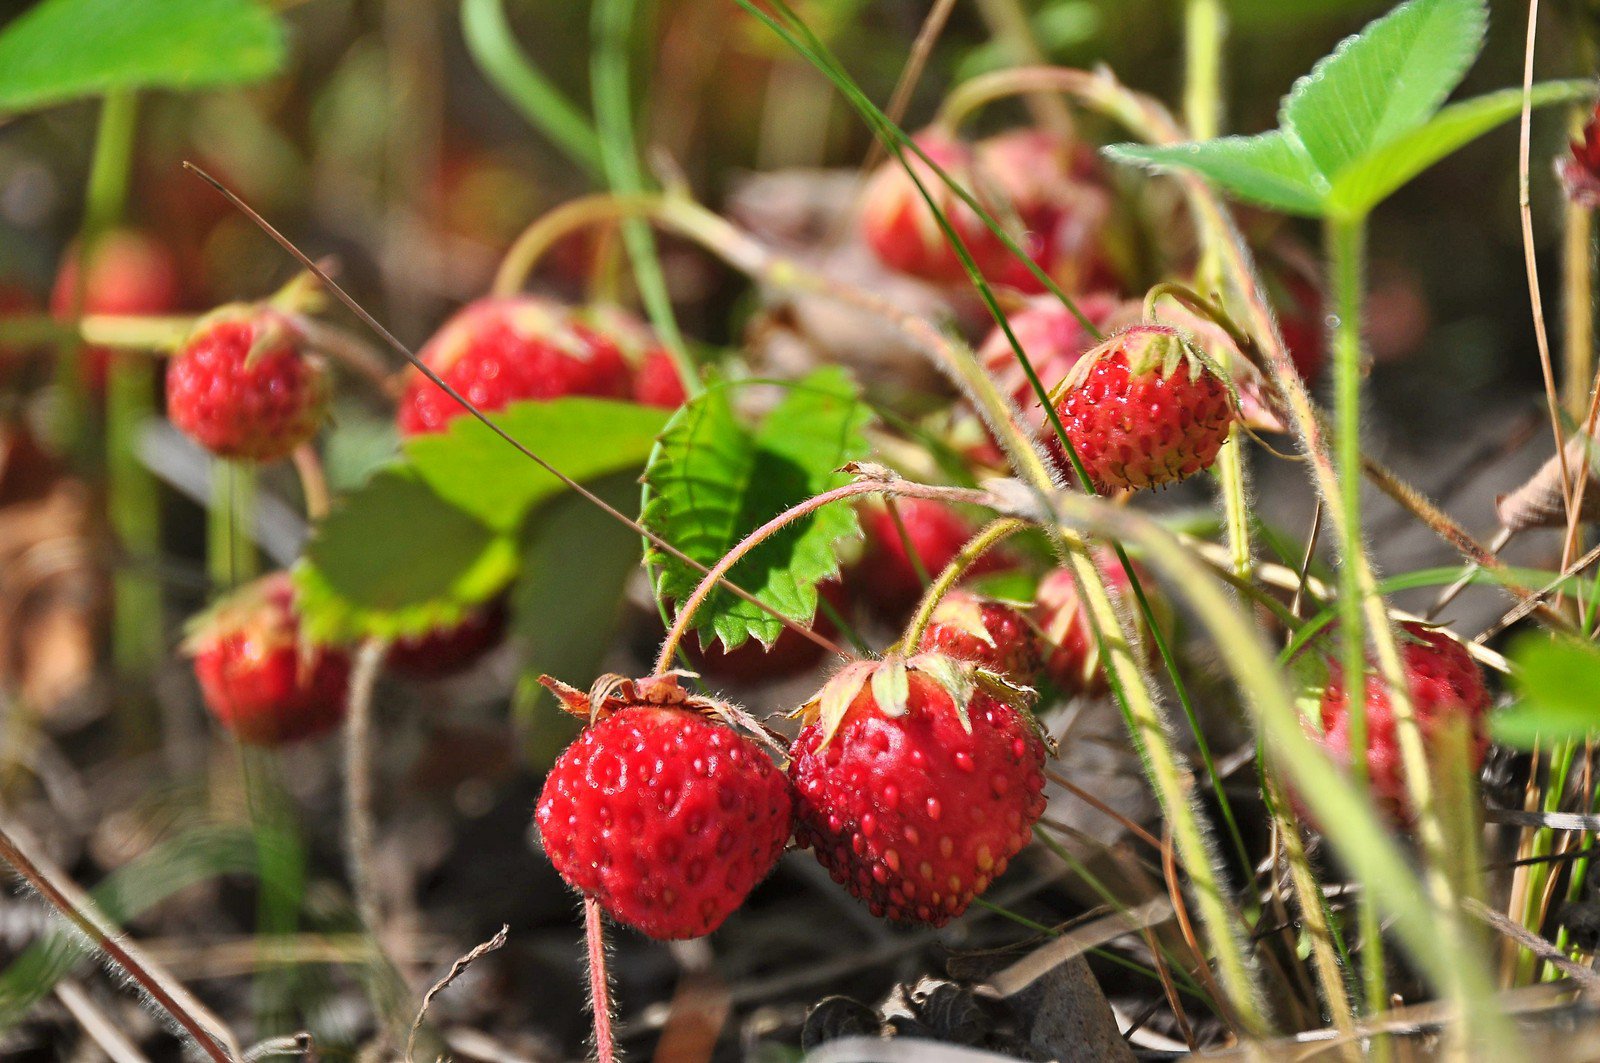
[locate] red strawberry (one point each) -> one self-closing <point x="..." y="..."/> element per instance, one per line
<point x="1053" y="339"/>
<point x="789" y="654"/>
<point x="657" y="382"/>
<point x="129" y="274"/>
<point x="916" y="781"/>
<point x="1143" y="409"/>
<point x="987" y="633"/>
<point x="242" y="385"/>
<point x="936" y="533"/>
<point x="260" y="679"/>
<point x="1072" y="656"/>
<point x="1446" y="687"/>
<point x="899" y="228"/>
<point x="1050" y="185"/>
<point x="499" y="351"/>
<point x="448" y="650"/>
<point x="660" y="811"/>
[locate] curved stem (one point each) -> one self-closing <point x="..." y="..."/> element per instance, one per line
<point x="359" y="824"/>
<point x="987" y="539"/>
<point x="612" y="24"/>
<point x="594" y="933"/>
<point x="313" y="481"/>
<point x="488" y="36"/>
<point x="680" y="625"/>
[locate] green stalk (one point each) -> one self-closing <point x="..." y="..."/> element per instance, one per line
<point x="619" y="152"/>
<point x="230" y="547"/>
<point x="1346" y="243"/>
<point x="133" y="501"/>
<point x="1537" y="876"/>
<point x="488" y="36"/>
<point x="1575" y="886"/>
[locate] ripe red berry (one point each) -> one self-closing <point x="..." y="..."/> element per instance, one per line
<point x="498" y="351"/>
<point x="446" y="651"/>
<point x="1072" y="657"/>
<point x="1052" y="337"/>
<point x="661" y="812"/>
<point x="242" y="386"/>
<point x="916" y="803"/>
<point x="657" y="383"/>
<point x="936" y="533"/>
<point x="129" y="274"/>
<point x="1050" y="185"/>
<point x="789" y="654"/>
<point x="258" y="676"/>
<point x="1143" y="409"/>
<point x="900" y="229"/>
<point x="1446" y="687"/>
<point x="987" y="633"/>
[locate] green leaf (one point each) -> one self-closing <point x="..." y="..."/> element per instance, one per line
<point x="395" y="559"/>
<point x="1270" y="170"/>
<point x="565" y="606"/>
<point x="714" y="479"/>
<point x="475" y="470"/>
<point x="1373" y="178"/>
<point x="1557" y="682"/>
<point x="1385" y="81"/>
<point x="66" y="49"/>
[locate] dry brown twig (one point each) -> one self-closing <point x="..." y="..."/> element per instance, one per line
<point x="457" y="969"/>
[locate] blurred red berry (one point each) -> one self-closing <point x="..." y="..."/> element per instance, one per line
<point x="130" y="274"/>
<point x="1580" y="169"/>
<point x="1446" y="687"/>
<point x="499" y="351"/>
<point x="258" y="676"/>
<point x="988" y="633"/>
<point x="446" y="651"/>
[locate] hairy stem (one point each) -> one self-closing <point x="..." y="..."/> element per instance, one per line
<point x="680" y="625"/>
<point x="360" y="827"/>
<point x="992" y="535"/>
<point x="594" y="931"/>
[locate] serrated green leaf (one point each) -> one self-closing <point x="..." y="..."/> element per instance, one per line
<point x="67" y="49"/>
<point x="1270" y="170"/>
<point x="566" y="602"/>
<point x="1557" y="682"/>
<point x="473" y="469"/>
<point x="713" y="480"/>
<point x="1373" y="178"/>
<point x="395" y="559"/>
<point x="1385" y="81"/>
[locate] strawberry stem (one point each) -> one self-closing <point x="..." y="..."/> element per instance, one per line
<point x="902" y="488"/>
<point x="987" y="539"/>
<point x="605" y="1045"/>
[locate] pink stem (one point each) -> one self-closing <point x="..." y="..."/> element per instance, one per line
<point x="605" y="1045"/>
<point x="902" y="488"/>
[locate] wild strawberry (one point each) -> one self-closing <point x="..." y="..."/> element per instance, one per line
<point x="129" y="274"/>
<point x="789" y="654"/>
<point x="656" y="383"/>
<point x="498" y="351"/>
<point x="1050" y="185"/>
<point x="987" y="633"/>
<point x="900" y="229"/>
<point x="1446" y="687"/>
<point x="1052" y="337"/>
<point x="660" y="811"/>
<point x="1143" y="409"/>
<point x="935" y="532"/>
<point x="448" y="650"/>
<point x="259" y="677"/>
<point x="916" y="781"/>
<point x="1580" y="170"/>
<point x="244" y="387"/>
<point x="1072" y="657"/>
<point x="1299" y="303"/>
